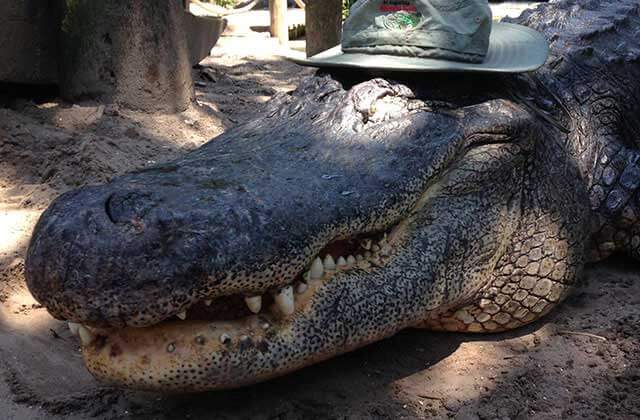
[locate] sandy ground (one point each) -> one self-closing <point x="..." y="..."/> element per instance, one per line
<point x="582" y="361"/>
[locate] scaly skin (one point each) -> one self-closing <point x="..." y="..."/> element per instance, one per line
<point x="494" y="192"/>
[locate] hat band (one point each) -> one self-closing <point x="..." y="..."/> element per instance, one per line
<point x="409" y="51"/>
<point x="441" y="45"/>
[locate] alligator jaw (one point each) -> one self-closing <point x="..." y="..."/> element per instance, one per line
<point x="344" y="310"/>
<point x="194" y="355"/>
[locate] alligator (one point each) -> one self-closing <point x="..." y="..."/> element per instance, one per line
<point x="354" y="207"/>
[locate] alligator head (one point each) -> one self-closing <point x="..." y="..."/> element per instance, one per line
<point x="336" y="219"/>
<point x="333" y="223"/>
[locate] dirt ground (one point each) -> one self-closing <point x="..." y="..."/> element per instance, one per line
<point x="582" y="361"/>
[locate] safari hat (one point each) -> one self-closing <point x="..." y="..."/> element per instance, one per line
<point x="431" y="35"/>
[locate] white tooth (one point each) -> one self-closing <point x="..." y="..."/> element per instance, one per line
<point x="301" y="288"/>
<point x="375" y="248"/>
<point x="208" y="302"/>
<point x="364" y="264"/>
<point x="317" y="269"/>
<point x="351" y="260"/>
<point x="284" y="300"/>
<point x="329" y="263"/>
<point x="359" y="257"/>
<point x="182" y="315"/>
<point x="265" y="325"/>
<point x="342" y="262"/>
<point x="386" y="250"/>
<point x="366" y="244"/>
<point x="254" y="303"/>
<point x="225" y="338"/>
<point x="244" y="338"/>
<point x="73" y="327"/>
<point x="86" y="337"/>
<point x="393" y="235"/>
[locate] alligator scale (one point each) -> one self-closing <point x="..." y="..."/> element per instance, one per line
<point x="353" y="210"/>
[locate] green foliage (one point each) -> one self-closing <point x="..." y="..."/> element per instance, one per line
<point x="346" y="5"/>
<point x="345" y="9"/>
<point x="68" y="22"/>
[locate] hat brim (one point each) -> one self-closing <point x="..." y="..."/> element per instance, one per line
<point x="512" y="49"/>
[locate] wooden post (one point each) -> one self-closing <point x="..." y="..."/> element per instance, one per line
<point x="324" y="25"/>
<point x="278" y="13"/>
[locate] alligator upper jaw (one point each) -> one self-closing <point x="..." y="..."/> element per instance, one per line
<point x="225" y="220"/>
<point x="218" y="222"/>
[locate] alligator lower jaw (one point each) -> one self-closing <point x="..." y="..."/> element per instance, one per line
<point x="187" y="355"/>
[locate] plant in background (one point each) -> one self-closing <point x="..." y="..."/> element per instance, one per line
<point x="346" y="5"/>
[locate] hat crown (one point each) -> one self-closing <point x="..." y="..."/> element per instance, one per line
<point x="457" y="30"/>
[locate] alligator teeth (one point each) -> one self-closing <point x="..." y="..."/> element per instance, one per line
<point x="375" y="248"/>
<point x="342" y="262"/>
<point x="254" y="303"/>
<point x="366" y="244"/>
<point x="317" y="269"/>
<point x="364" y="264"/>
<point x="284" y="300"/>
<point x="329" y="263"/>
<point x="301" y="288"/>
<point x="359" y="257"/>
<point x="351" y="260"/>
<point x="208" y="302"/>
<point x="377" y="262"/>
<point x="86" y="337"/>
<point x="225" y="338"/>
<point x="182" y="315"/>
<point x="393" y="235"/>
<point x="73" y="327"/>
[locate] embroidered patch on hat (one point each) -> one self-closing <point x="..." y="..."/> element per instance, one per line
<point x="401" y="20"/>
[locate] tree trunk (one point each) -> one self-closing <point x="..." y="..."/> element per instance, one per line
<point x="130" y="52"/>
<point x="279" y="27"/>
<point x="324" y="25"/>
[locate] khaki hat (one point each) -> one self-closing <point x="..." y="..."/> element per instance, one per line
<point x="431" y="35"/>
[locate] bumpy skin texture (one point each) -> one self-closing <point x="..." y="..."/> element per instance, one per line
<point x="505" y="187"/>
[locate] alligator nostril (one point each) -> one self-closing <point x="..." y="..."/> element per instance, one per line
<point x="128" y="206"/>
<point x="107" y="208"/>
